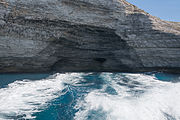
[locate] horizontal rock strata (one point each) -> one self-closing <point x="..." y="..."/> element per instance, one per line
<point x="85" y="35"/>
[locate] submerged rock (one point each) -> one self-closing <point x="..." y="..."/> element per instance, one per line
<point x="85" y="35"/>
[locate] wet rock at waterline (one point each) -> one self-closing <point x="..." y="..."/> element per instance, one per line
<point x="85" y="35"/>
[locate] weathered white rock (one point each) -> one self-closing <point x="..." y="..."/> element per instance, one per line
<point x="85" y="35"/>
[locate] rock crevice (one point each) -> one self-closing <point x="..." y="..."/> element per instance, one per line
<point x="85" y="35"/>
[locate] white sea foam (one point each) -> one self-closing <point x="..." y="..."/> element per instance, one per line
<point x="139" y="97"/>
<point x="27" y="97"/>
<point x="160" y="100"/>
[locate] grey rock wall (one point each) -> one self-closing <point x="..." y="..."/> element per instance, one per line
<point x="85" y="35"/>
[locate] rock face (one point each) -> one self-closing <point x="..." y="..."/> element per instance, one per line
<point x="85" y="35"/>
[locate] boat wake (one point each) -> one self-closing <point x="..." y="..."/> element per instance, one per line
<point x="92" y="96"/>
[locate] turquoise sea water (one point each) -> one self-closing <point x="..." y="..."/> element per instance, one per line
<point x="90" y="96"/>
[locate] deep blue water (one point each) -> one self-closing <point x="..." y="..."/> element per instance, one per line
<point x="90" y="96"/>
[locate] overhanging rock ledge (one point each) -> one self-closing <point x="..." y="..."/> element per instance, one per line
<point x="85" y="35"/>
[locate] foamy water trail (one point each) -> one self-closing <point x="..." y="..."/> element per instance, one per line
<point x="95" y="96"/>
<point x="23" y="98"/>
<point x="139" y="97"/>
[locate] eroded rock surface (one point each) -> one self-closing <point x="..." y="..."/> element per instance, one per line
<point x="85" y="35"/>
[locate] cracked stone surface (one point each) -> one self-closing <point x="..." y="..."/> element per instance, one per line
<point x="85" y="35"/>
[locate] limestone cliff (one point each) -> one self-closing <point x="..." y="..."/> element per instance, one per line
<point x="85" y="35"/>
